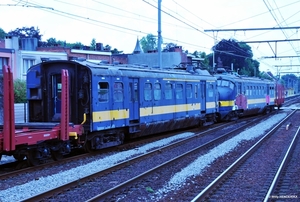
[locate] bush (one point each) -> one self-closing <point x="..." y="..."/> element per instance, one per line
<point x="20" y="91"/>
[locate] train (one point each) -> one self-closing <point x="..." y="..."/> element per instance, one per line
<point x="94" y="106"/>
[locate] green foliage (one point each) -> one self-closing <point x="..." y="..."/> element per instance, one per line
<point x="149" y="189"/>
<point x="290" y="80"/>
<point x="169" y="47"/>
<point x="26" y="32"/>
<point x="148" y="43"/>
<point x="20" y="91"/>
<point x="78" y="45"/>
<point x="107" y="48"/>
<point x="228" y="52"/>
<point x="93" y="44"/>
<point x="2" y="34"/>
<point x="116" y="51"/>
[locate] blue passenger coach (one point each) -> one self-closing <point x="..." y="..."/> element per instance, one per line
<point x="242" y="96"/>
<point x="122" y="101"/>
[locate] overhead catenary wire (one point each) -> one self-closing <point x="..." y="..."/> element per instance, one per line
<point x="135" y="31"/>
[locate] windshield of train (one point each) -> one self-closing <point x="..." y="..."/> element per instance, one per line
<point x="226" y="83"/>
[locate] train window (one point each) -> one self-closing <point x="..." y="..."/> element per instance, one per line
<point x="147" y="91"/>
<point x="118" y="92"/>
<point x="134" y="87"/>
<point x="210" y="90"/>
<point x="103" y="92"/>
<point x="179" y="91"/>
<point x="157" y="91"/>
<point x="231" y="85"/>
<point x="58" y="88"/>
<point x="225" y="83"/>
<point x="168" y="91"/>
<point x="189" y="91"/>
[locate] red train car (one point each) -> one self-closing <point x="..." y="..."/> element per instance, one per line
<point x="35" y="141"/>
<point x="279" y="94"/>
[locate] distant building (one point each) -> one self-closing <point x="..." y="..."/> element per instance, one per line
<point x="137" y="48"/>
<point x="22" y="57"/>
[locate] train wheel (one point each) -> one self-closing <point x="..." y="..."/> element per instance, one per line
<point x="31" y="158"/>
<point x="56" y="155"/>
<point x="19" y="157"/>
<point x="88" y="146"/>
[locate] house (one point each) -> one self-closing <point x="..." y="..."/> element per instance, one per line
<point x="21" y="54"/>
<point x="22" y="57"/>
<point x="7" y="56"/>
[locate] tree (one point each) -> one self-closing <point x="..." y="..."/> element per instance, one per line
<point x="93" y="44"/>
<point x="20" y="91"/>
<point x="230" y="52"/>
<point x="148" y="43"/>
<point x="26" y="32"/>
<point x="290" y="80"/>
<point x="78" y="45"/>
<point x="51" y="42"/>
<point x="107" y="48"/>
<point x="2" y="34"/>
<point x="169" y="47"/>
<point x="116" y="51"/>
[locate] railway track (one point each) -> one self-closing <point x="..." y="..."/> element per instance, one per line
<point x="256" y="174"/>
<point x="16" y="168"/>
<point x="117" y="181"/>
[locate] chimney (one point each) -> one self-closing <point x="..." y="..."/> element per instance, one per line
<point x="12" y="42"/>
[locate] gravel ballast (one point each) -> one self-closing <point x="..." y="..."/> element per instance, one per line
<point x="43" y="184"/>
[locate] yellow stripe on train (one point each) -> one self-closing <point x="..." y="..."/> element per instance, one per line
<point x="228" y="103"/>
<point x="149" y="111"/>
<point x="110" y="115"/>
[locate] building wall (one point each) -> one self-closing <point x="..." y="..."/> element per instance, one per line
<point x="120" y="58"/>
<point x="8" y="57"/>
<point x="26" y="59"/>
<point x="169" y="59"/>
<point x="82" y="54"/>
<point x="2" y="43"/>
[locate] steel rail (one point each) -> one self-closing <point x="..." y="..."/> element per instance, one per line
<point x="281" y="167"/>
<point x="203" y="194"/>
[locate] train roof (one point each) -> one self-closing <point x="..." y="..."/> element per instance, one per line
<point x="132" y="70"/>
<point x="239" y="78"/>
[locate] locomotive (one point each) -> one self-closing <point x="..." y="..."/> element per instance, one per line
<point x="102" y="105"/>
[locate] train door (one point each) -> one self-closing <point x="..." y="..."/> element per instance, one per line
<point x="239" y="88"/>
<point x="56" y="96"/>
<point x="210" y="95"/>
<point x="118" y="110"/>
<point x="268" y="94"/>
<point x="179" y="100"/>
<point x="191" y="99"/>
<point x="203" y="96"/>
<point x="146" y="100"/>
<point x="134" y="111"/>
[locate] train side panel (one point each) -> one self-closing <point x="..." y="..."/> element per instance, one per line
<point x="242" y="96"/>
<point x="122" y="101"/>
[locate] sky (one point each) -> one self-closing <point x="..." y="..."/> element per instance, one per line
<point x="187" y="23"/>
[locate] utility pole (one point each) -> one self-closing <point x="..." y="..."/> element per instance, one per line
<point x="159" y="35"/>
